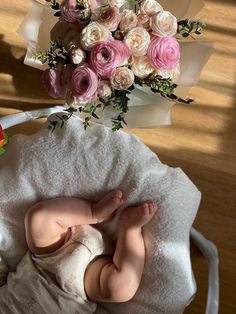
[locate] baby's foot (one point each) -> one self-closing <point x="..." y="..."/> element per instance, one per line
<point x="138" y="216"/>
<point x="106" y="206"/>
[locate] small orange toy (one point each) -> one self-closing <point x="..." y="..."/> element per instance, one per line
<point x="3" y="140"/>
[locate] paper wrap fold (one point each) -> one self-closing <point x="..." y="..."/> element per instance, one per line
<point x="146" y="109"/>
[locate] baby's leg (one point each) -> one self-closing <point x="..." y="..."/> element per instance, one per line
<point x="117" y="280"/>
<point x="47" y="223"/>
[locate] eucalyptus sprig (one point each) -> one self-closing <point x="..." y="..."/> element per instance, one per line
<point x="90" y="111"/>
<point x="187" y="27"/>
<point x="53" y="124"/>
<point x="163" y="86"/>
<point x="53" y="55"/>
<point x="119" y="101"/>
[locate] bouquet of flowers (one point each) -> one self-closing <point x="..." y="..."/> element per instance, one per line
<point x="101" y="50"/>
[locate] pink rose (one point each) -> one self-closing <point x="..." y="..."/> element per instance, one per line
<point x="107" y="55"/>
<point x="84" y="83"/>
<point x="173" y="74"/>
<point x="109" y="17"/>
<point x="128" y="20"/>
<point x="70" y="11"/>
<point x="52" y="81"/>
<point x="122" y="78"/>
<point x="164" y="52"/>
<point x="150" y="7"/>
<point x="164" y="24"/>
<point x="138" y="40"/>
<point x="144" y="20"/>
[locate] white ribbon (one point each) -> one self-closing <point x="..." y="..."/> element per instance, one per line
<point x="21" y="117"/>
<point x="146" y="109"/>
<point x="35" y="29"/>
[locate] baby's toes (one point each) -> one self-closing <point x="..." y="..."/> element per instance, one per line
<point x="117" y="195"/>
<point x="113" y="199"/>
<point x="147" y="211"/>
<point x="149" y="208"/>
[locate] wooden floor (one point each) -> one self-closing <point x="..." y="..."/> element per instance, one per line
<point x="202" y="139"/>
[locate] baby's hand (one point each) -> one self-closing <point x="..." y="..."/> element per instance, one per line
<point x="107" y="206"/>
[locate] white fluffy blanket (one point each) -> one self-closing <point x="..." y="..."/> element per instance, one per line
<point x="74" y="162"/>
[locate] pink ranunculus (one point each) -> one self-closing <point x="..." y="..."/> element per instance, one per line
<point x="164" y="52"/>
<point x="70" y="11"/>
<point x="84" y="82"/>
<point x="107" y="55"/>
<point x="52" y="81"/>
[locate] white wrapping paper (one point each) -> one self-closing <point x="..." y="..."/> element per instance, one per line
<point x="146" y="109"/>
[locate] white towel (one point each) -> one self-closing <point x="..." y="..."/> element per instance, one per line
<point x="74" y="162"/>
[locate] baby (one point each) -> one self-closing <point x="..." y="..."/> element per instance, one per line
<point x="78" y="259"/>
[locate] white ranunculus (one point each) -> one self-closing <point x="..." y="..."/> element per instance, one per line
<point x="122" y="78"/>
<point x="150" y="7"/>
<point x="92" y="34"/>
<point x="173" y="74"/>
<point x="164" y="24"/>
<point x="138" y="41"/>
<point x="141" y="67"/>
<point x="128" y="21"/>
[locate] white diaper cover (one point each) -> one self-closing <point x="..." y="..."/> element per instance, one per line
<point x="54" y="283"/>
<point x="68" y="264"/>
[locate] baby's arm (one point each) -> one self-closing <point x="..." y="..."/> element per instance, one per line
<point x="47" y="223"/>
<point x="117" y="279"/>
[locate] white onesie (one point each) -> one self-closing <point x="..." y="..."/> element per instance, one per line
<point x="54" y="283"/>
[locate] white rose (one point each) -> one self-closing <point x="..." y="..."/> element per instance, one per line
<point x="104" y="89"/>
<point x="128" y="20"/>
<point x="138" y="41"/>
<point x="173" y="74"/>
<point x="141" y="67"/>
<point x="164" y="24"/>
<point x="116" y="3"/>
<point x="144" y="21"/>
<point x="122" y="78"/>
<point x="77" y="55"/>
<point x="150" y="7"/>
<point x="92" y="34"/>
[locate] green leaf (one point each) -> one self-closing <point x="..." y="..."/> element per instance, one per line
<point x="187" y="27"/>
<point x="57" y="14"/>
<point x="95" y="116"/>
